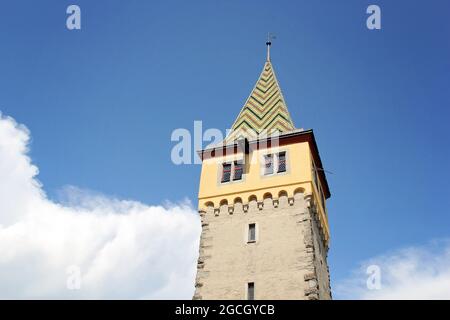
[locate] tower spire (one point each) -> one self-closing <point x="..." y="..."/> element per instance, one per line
<point x="265" y="109"/>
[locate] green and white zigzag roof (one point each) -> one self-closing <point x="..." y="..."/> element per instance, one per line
<point x="265" y="109"/>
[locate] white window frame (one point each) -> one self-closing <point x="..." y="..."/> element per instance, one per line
<point x="222" y="169"/>
<point x="247" y="232"/>
<point x="278" y="161"/>
<point x="275" y="161"/>
<point x="232" y="162"/>
<point x="233" y="169"/>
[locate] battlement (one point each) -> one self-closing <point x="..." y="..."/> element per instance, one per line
<point x="233" y="204"/>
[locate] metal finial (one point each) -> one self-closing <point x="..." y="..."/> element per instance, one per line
<point x="270" y="37"/>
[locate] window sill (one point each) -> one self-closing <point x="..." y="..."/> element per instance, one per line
<point x="224" y="183"/>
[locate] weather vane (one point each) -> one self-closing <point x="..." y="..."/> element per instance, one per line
<point x="270" y="37"/>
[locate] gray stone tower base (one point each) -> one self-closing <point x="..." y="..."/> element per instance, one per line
<point x="288" y="260"/>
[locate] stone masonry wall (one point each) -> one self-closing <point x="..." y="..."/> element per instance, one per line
<point x="287" y="261"/>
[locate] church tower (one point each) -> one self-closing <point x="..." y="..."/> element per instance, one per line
<point x="262" y="202"/>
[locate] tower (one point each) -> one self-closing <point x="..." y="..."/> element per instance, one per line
<point x="262" y="202"/>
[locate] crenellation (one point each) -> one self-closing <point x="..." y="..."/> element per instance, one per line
<point x="238" y="208"/>
<point x="252" y="205"/>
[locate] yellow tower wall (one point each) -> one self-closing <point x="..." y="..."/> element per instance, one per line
<point x="297" y="178"/>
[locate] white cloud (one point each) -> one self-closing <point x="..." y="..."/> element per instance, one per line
<point x="421" y="272"/>
<point x="124" y="249"/>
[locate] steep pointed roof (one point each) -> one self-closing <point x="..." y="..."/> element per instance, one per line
<point x="264" y="110"/>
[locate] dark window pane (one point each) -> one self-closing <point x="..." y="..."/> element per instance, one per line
<point x="251" y="291"/>
<point x="252" y="232"/>
<point x="268" y="166"/>
<point x="226" y="172"/>
<point x="282" y="162"/>
<point x="238" y="169"/>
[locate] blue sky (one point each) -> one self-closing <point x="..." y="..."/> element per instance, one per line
<point x="102" y="102"/>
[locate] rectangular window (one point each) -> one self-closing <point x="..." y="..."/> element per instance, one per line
<point x="268" y="165"/>
<point x="251" y="291"/>
<point x="282" y="162"/>
<point x="238" y="169"/>
<point x="252" y="232"/>
<point x="226" y="172"/>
